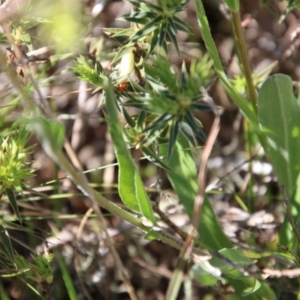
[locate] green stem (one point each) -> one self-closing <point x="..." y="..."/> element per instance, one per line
<point x="240" y="40"/>
<point x="81" y="182"/>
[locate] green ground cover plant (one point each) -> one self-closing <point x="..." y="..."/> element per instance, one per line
<point x="152" y="107"/>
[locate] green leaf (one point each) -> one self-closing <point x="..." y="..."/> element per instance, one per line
<point x="181" y="25"/>
<point x="140" y="17"/>
<point x="124" y="50"/>
<point x="162" y="34"/>
<point x="154" y="41"/>
<point x="212" y="236"/>
<point x="248" y="291"/>
<point x="6" y="244"/>
<point x="13" y="202"/>
<point x="174" y="132"/>
<point x="279" y="118"/>
<point x="171" y="29"/>
<point x="238" y="99"/>
<point x="86" y="73"/>
<point x="148" y="28"/>
<point x="183" y="176"/>
<point x="151" y="156"/>
<point x="206" y="274"/>
<point x="233" y="5"/>
<point x="232" y="262"/>
<point x="195" y="125"/>
<point x="131" y="189"/>
<point x="146" y="6"/>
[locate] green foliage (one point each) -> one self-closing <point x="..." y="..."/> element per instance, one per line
<point x="171" y="104"/>
<point x="153" y="23"/>
<point x="131" y="189"/>
<point x="158" y="106"/>
<point x="13" y="164"/>
<point x="183" y="173"/>
<point x="279" y="115"/>
<point x="88" y="74"/>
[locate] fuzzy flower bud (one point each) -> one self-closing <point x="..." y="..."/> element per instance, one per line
<point x="127" y="64"/>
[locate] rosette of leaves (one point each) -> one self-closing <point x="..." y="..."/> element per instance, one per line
<point x="151" y="25"/>
<point x="167" y="107"/>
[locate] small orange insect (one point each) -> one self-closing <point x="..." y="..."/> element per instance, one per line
<point x="122" y="87"/>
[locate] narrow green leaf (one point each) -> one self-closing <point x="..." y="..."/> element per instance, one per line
<point x="162" y="34"/>
<point x="127" y="117"/>
<point x="159" y="122"/>
<point x="201" y="106"/>
<point x="181" y="25"/>
<point x="174" y="132"/>
<point x="239" y="100"/>
<point x="188" y="133"/>
<point x="151" y="156"/>
<point x="148" y="28"/>
<point x="13" y="202"/>
<point x="140" y="122"/>
<point x="144" y="6"/>
<point x="66" y="276"/>
<point x="192" y="122"/>
<point x="171" y="29"/>
<point x="124" y="50"/>
<point x="131" y="189"/>
<point x="154" y="41"/>
<point x="140" y="15"/>
<point x="5" y="241"/>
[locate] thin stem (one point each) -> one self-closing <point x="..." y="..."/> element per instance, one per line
<point x="241" y="44"/>
<point x="289" y="214"/>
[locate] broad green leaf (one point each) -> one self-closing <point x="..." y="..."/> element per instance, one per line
<point x="248" y="291"/>
<point x="211" y="234"/>
<point x="183" y="176"/>
<point x="206" y="274"/>
<point x="13" y="202"/>
<point x="279" y="118"/>
<point x="231" y="262"/>
<point x="131" y="189"/>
